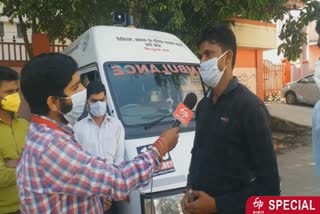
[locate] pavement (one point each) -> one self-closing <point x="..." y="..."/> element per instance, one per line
<point x="298" y="114"/>
<point x="298" y="173"/>
<point x="297" y="166"/>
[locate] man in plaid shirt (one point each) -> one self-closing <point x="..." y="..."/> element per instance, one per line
<point x="54" y="174"/>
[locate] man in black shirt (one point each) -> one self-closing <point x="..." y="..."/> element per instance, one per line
<point x="232" y="157"/>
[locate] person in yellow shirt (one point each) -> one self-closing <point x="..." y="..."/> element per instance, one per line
<point x="12" y="134"/>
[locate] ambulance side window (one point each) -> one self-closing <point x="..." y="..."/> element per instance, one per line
<point x="86" y="78"/>
<point x="90" y="76"/>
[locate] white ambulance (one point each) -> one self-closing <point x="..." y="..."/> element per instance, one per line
<point x="147" y="74"/>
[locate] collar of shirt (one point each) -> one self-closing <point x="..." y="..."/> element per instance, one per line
<point x="232" y="85"/>
<point x="106" y="118"/>
<point x="39" y="119"/>
<point x="15" y="118"/>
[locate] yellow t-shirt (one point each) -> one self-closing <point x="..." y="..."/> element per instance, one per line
<point x="11" y="144"/>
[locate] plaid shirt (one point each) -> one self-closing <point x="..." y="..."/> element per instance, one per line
<point x="55" y="175"/>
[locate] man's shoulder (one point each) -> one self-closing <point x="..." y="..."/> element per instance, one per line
<point x="244" y="101"/>
<point x="316" y="109"/>
<point x="317" y="105"/>
<point x="37" y="130"/>
<point x="201" y="103"/>
<point x="115" y="121"/>
<point x="41" y="138"/>
<point x="246" y="96"/>
<point x="81" y="123"/>
<point x="23" y="122"/>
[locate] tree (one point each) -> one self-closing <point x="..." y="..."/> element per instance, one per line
<point x="14" y="9"/>
<point x="184" y="18"/>
<point x="292" y="33"/>
<point x="38" y="15"/>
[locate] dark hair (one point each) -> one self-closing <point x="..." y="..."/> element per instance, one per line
<point x="223" y="36"/>
<point x="46" y="75"/>
<point x="95" y="87"/>
<point x="318" y="27"/>
<point x="8" y="74"/>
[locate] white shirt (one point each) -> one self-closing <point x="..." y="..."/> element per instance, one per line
<point x="106" y="141"/>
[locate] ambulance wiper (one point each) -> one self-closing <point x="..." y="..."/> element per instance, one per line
<point x="155" y="122"/>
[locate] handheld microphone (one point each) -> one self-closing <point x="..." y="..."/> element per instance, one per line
<point x="182" y="111"/>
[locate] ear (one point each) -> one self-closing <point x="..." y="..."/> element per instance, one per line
<point x="229" y="58"/>
<point x="53" y="103"/>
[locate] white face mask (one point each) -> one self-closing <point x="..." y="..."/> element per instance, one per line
<point x="210" y="73"/>
<point x="98" y="108"/>
<point x="78" y="104"/>
<point x="317" y="73"/>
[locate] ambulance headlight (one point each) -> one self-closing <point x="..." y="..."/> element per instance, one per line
<point x="165" y="204"/>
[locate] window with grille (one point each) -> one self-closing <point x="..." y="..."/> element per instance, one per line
<point x="19" y="31"/>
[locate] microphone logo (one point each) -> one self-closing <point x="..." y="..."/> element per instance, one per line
<point x="183" y="114"/>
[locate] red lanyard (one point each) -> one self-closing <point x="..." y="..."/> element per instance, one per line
<point x="40" y="120"/>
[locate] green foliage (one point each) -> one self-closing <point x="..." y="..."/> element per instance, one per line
<point x="61" y="18"/>
<point x="292" y="33"/>
<point x="184" y="18"/>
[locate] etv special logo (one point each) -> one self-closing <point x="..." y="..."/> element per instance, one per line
<point x="283" y="205"/>
<point x="258" y="204"/>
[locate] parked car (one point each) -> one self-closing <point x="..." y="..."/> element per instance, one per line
<point x="304" y="90"/>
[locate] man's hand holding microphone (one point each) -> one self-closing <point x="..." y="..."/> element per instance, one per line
<point x="169" y="138"/>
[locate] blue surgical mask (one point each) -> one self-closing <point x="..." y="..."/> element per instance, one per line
<point x="98" y="108"/>
<point x="210" y="73"/>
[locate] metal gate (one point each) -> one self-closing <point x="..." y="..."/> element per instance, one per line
<point x="272" y="80"/>
<point x="14" y="54"/>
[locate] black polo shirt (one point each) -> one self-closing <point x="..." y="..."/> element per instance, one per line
<point x="233" y="156"/>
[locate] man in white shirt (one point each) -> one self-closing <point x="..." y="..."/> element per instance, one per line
<point x="99" y="133"/>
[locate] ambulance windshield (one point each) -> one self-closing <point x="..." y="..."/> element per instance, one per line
<point x="144" y="92"/>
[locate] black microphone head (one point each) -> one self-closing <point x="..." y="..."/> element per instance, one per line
<point x="190" y="100"/>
